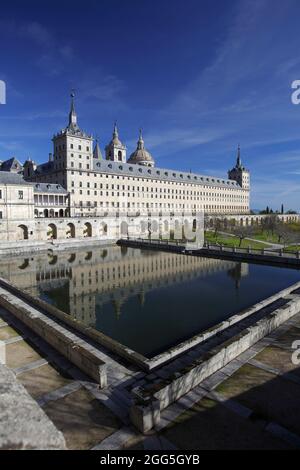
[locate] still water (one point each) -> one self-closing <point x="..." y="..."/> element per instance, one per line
<point x="146" y="300"/>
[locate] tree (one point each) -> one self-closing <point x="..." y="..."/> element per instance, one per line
<point x="206" y="223"/>
<point x="243" y="232"/>
<point x="282" y="209"/>
<point x="266" y="211"/>
<point x="286" y="234"/>
<point x="218" y="225"/>
<point x="270" y="223"/>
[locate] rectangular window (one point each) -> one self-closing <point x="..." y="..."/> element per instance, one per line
<point x="21" y="195"/>
<point x="0" y="193"/>
<point x="0" y="215"/>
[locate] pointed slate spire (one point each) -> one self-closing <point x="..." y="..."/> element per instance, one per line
<point x="115" y="133"/>
<point x="97" y="152"/>
<point x="72" y="114"/>
<point x="238" y="159"/>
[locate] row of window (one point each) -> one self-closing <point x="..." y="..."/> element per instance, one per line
<point x="156" y="181"/>
<point x="63" y="147"/>
<point x="152" y="189"/>
<point x="138" y="205"/>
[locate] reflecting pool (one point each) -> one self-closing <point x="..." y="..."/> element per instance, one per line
<point x="146" y="300"/>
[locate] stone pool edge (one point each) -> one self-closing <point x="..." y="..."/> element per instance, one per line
<point x="128" y="354"/>
<point x="179" y="377"/>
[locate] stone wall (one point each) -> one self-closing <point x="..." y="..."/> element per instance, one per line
<point x="24" y="425"/>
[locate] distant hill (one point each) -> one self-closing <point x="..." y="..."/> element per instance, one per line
<point x="256" y="211"/>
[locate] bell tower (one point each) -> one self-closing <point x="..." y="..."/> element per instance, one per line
<point x="239" y="173"/>
<point x="115" y="150"/>
<point x="72" y="147"/>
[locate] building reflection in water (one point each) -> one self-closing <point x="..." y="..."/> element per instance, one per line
<point x="78" y="282"/>
<point x="237" y="272"/>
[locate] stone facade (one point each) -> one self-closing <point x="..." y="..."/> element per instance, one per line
<point x="16" y="197"/>
<point x="85" y="195"/>
<point x="96" y="185"/>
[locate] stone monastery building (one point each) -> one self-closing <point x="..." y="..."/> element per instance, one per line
<point x="98" y="184"/>
<point x="79" y="182"/>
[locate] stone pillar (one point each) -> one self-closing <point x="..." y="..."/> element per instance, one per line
<point x="145" y="412"/>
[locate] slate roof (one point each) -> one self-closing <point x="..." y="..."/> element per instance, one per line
<point x="11" y="164"/>
<point x="106" y="166"/>
<point x="49" y="188"/>
<point x="45" y="167"/>
<point x="7" y="177"/>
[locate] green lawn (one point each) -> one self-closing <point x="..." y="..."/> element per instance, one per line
<point x="233" y="241"/>
<point x="292" y="248"/>
<point x="265" y="237"/>
<point x="295" y="226"/>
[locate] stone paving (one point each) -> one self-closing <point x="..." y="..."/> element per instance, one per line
<point x="252" y="403"/>
<point x="83" y="420"/>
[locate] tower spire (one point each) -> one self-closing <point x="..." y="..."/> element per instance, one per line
<point x="140" y="141"/>
<point x="97" y="152"/>
<point x="72" y="114"/>
<point x="238" y="159"/>
<point x="115" y="133"/>
<point x="115" y="150"/>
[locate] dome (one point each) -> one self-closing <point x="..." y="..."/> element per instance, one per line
<point x="141" y="156"/>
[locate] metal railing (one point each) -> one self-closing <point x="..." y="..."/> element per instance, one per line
<point x="254" y="251"/>
<point x="281" y="253"/>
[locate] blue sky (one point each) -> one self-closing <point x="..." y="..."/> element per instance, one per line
<point x="198" y="76"/>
